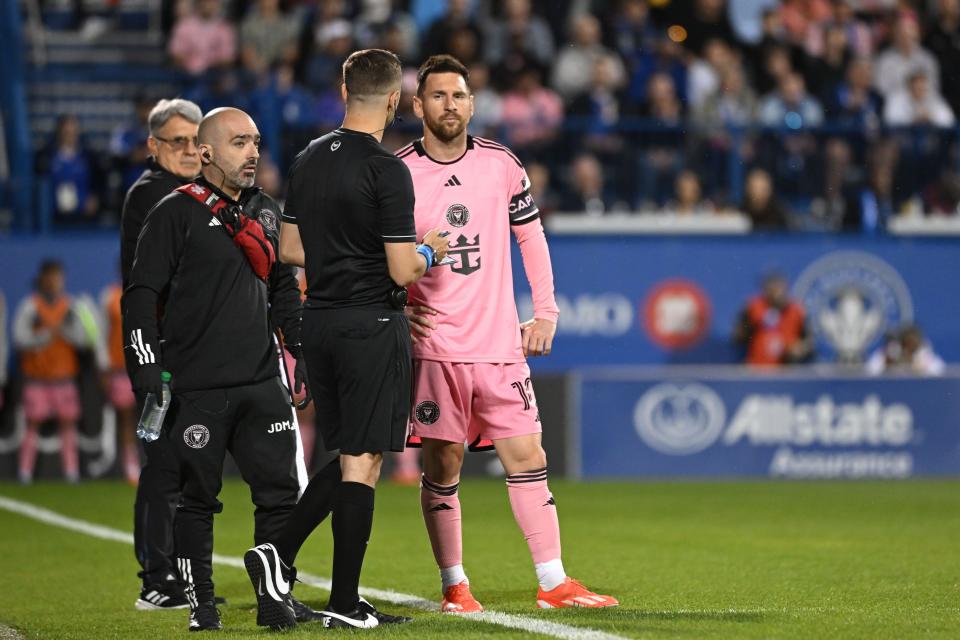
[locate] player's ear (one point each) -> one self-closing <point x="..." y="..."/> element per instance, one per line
<point x="471" y="105"/>
<point x="206" y="153"/>
<point x="343" y="91"/>
<point x="417" y="106"/>
<point x="152" y="146"/>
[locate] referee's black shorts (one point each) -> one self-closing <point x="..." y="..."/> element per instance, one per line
<point x="359" y="365"/>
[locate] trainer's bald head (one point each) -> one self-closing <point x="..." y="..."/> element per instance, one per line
<point x="222" y="124"/>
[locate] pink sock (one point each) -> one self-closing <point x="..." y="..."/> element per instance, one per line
<point x="441" y="514"/>
<point x="69" y="457"/>
<point x="536" y="513"/>
<point x="28" y="455"/>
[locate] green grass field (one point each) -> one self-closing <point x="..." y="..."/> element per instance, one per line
<point x="687" y="560"/>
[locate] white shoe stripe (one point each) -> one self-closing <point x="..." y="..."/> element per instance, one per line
<point x="271" y="586"/>
<point x="282" y="587"/>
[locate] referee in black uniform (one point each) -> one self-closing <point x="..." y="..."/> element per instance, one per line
<point x="174" y="161"/>
<point x="208" y="252"/>
<point x="349" y="220"/>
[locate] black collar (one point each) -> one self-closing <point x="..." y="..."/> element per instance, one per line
<point x="155" y="167"/>
<point x="418" y="145"/>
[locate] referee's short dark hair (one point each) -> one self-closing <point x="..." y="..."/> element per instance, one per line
<point x="371" y="72"/>
<point x="443" y="63"/>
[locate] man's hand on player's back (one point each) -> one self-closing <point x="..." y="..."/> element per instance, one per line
<point x="538" y="336"/>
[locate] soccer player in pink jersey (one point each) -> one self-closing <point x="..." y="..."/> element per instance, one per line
<point x="472" y="382"/>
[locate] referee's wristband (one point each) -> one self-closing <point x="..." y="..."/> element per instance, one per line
<point x="428" y="254"/>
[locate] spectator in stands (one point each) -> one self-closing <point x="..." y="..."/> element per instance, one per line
<point x="463" y="45"/>
<point x="203" y="39"/>
<point x="871" y="206"/>
<point x="595" y="114"/>
<point x="823" y="73"/>
<point x="586" y="193"/>
<point x="917" y="104"/>
<point x="487" y="103"/>
<point x="790" y="107"/>
<point x="383" y="24"/>
<point x="746" y="19"/>
<point x="775" y="64"/>
<point x="855" y="103"/>
<point x="268" y="36"/>
<point x="73" y="175"/>
<point x="632" y="30"/>
<point x="667" y="57"/>
<point x="574" y="66"/>
<point x="519" y="32"/>
<point x="943" y="196"/>
<point x="660" y="154"/>
<point x="332" y="42"/>
<point x="943" y="42"/>
<point x="722" y="124"/>
<point x="772" y="328"/>
<point x="906" y="351"/>
<point x="706" y="20"/>
<point x="540" y="188"/>
<point x="760" y="204"/>
<point x="456" y="18"/>
<point x="800" y="17"/>
<point x="859" y="36"/>
<point x="903" y="58"/>
<point x="703" y="77"/>
<point x="688" y="196"/>
<point x="532" y="114"/>
<point x="829" y="208"/>
<point x="47" y="331"/>
<point x="128" y="145"/>
<point x="732" y="104"/>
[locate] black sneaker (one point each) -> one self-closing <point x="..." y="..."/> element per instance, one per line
<point x="160" y="597"/>
<point x="382" y="618"/>
<point x="304" y="613"/>
<point x="206" y="617"/>
<point x="274" y="603"/>
<point x="364" y="616"/>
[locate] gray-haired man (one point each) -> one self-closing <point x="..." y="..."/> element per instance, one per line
<point x="174" y="161"/>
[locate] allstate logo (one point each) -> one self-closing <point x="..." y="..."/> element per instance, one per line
<point x="851" y="298"/>
<point x="679" y="419"/>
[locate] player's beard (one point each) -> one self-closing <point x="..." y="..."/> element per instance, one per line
<point x="241" y="181"/>
<point x="446" y="131"/>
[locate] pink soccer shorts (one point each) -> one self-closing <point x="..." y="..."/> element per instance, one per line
<point x="45" y="400"/>
<point x="121" y="391"/>
<point x="472" y="401"/>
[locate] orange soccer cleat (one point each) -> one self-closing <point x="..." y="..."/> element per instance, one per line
<point x="458" y="599"/>
<point x="572" y="594"/>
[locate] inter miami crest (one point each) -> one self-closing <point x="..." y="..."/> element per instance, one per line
<point x="458" y="215"/>
<point x="196" y="436"/>
<point x="268" y="220"/>
<point x="427" y="412"/>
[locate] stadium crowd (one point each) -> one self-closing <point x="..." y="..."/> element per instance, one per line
<point x="803" y="114"/>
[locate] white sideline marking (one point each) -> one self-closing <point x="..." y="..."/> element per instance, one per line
<point x="532" y="625"/>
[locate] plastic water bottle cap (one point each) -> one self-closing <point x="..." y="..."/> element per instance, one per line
<point x="165" y="376"/>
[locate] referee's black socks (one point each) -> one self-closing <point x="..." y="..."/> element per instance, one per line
<point x="352" y="522"/>
<point x="312" y="509"/>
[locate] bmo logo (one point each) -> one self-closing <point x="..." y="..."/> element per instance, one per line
<point x="676" y="314"/>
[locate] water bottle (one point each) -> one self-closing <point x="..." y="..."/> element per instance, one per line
<point x="151" y="420"/>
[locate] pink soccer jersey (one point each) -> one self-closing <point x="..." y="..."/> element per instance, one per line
<point x="478" y="198"/>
